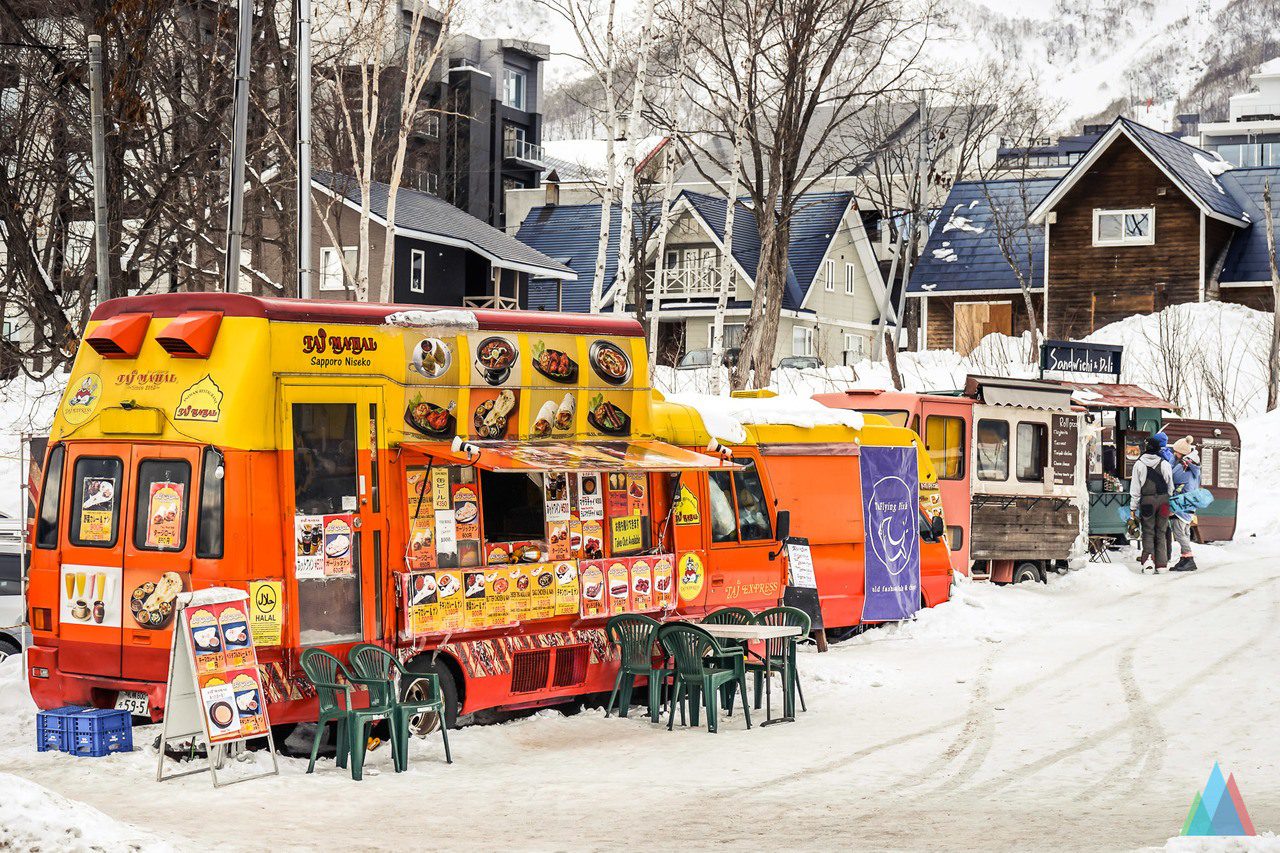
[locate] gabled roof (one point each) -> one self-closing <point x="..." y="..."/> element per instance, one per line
<point x="963" y="253"/>
<point x="425" y="217"/>
<point x="570" y="233"/>
<point x="1191" y="170"/>
<point x="1247" y="255"/>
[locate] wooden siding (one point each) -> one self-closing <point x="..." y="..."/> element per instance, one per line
<point x="942" y="316"/>
<point x="1258" y="298"/>
<point x="1023" y="528"/>
<point x="1090" y="286"/>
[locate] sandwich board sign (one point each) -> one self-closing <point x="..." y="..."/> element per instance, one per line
<point x="214" y="690"/>
<point x="802" y="587"/>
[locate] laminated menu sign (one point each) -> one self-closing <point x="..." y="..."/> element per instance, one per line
<point x="497" y="595"/>
<point x="440" y="496"/>
<point x="567" y="590"/>
<point x="556" y="497"/>
<point x="641" y="584"/>
<point x="592" y="583"/>
<point x="559" y="543"/>
<point x="97" y="509"/>
<point x="475" y="611"/>
<point x="663" y="583"/>
<point x="308" y="536"/>
<point x="637" y="495"/>
<point x="615" y="496"/>
<point x="164" y="515"/>
<point x="618" y="579"/>
<point x="542" y="592"/>
<point x="339" y="559"/>
<point x="446" y="539"/>
<point x="590" y="499"/>
<point x="421" y="607"/>
<point x="520" y="594"/>
<point x="466" y="511"/>
<point x="592" y="540"/>
<point x="626" y="534"/>
<point x="214" y="686"/>
<point x="421" y="553"/>
<point x="449" y="601"/>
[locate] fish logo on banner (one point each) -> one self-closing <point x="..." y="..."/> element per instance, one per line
<point x="890" y="508"/>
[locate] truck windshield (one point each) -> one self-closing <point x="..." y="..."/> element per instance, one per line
<point x="897" y="417"/>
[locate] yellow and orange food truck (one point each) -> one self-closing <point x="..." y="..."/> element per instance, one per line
<point x="477" y="490"/>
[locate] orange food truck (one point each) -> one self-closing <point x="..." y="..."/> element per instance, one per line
<point x="945" y="422"/>
<point x="477" y="490"/>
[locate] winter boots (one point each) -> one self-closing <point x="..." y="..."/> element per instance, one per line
<point x="1186" y="564"/>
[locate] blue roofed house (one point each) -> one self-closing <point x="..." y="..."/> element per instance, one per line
<point x="830" y="307"/>
<point x="1141" y="221"/>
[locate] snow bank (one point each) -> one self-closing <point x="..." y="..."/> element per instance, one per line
<point x="26" y="406"/>
<point x="726" y="418"/>
<point x="34" y="818"/>
<point x="1267" y="842"/>
<point x="1259" y="500"/>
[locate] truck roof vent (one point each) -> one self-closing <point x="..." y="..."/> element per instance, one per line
<point x="191" y="335"/>
<point x="119" y="337"/>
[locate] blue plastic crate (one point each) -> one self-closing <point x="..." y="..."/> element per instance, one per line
<point x="56" y="729"/>
<point x="100" y="732"/>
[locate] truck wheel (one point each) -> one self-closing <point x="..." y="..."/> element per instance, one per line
<point x="8" y="648"/>
<point x="425" y="724"/>
<point x="1026" y="573"/>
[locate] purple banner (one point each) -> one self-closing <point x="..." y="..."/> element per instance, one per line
<point x="891" y="520"/>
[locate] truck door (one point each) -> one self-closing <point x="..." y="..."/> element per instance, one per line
<point x="740" y="573"/>
<point x="947" y="437"/>
<point x="332" y="505"/>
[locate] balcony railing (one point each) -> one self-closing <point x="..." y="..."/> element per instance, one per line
<point x="491" y="301"/>
<point x="427" y="182"/>
<point x="519" y="149"/>
<point x="686" y="281"/>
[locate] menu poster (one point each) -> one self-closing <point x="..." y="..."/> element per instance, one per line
<point x="219" y="700"/>
<point x="641" y="584"/>
<point x="615" y="496"/>
<point x="421" y="553"/>
<point x="592" y="540"/>
<point x="248" y="701"/>
<point x="446" y="539"/>
<point x="497" y="595"/>
<point x="637" y="494"/>
<point x="440" y="494"/>
<point x="308" y="533"/>
<point x="626" y="535"/>
<point x="542" y="592"/>
<point x="518" y="606"/>
<point x="619" y="583"/>
<point x="590" y="498"/>
<point x="237" y="647"/>
<point x="97" y="509"/>
<point x="206" y="641"/>
<point x="475" y="611"/>
<point x="421" y="605"/>
<point x="663" y="583"/>
<point x="592" y="589"/>
<point x="164" y="515"/>
<point x="559" y="543"/>
<point x="567" y="589"/>
<point x="339" y="560"/>
<point x="466" y="513"/>
<point x="449" y="601"/>
<point x="556" y="496"/>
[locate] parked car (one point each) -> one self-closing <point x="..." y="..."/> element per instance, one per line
<point x="14" y="635"/>
<point x="800" y="362"/>
<point x="696" y="358"/>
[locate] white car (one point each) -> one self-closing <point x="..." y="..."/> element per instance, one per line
<point x="14" y="634"/>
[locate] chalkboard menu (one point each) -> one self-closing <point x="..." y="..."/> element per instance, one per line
<point x="1064" y="445"/>
<point x="802" y="587"/>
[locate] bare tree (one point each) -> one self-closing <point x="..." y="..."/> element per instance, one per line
<point x="1273" y="358"/>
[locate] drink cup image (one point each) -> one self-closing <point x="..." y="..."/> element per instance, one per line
<point x="80" y="580"/>
<point x="70" y="583"/>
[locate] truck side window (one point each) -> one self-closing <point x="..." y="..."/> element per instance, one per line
<point x="944" y="439"/>
<point x="993" y="450"/>
<point x="724" y="523"/>
<point x="209" y="521"/>
<point x="1033" y="444"/>
<point x="50" y="498"/>
<point x="753" y="512"/>
<point x="95" y="501"/>
<point x="162" y="497"/>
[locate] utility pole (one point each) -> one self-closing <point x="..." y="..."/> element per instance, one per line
<point x="101" y="235"/>
<point x="304" y="149"/>
<point x="239" y="131"/>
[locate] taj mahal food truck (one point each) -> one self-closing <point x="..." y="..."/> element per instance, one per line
<point x="477" y="490"/>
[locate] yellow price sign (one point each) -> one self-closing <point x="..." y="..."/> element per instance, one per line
<point x="627" y="533"/>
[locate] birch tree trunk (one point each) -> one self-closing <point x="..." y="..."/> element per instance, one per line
<point x="1273" y="360"/>
<point x="605" y="74"/>
<point x="626" y="261"/>
<point x="660" y="267"/>
<point x="724" y="276"/>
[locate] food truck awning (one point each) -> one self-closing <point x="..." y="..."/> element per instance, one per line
<point x="522" y="456"/>
<point x="1106" y="395"/>
<point x="1009" y="391"/>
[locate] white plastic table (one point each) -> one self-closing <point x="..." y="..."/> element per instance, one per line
<point x="754" y="633"/>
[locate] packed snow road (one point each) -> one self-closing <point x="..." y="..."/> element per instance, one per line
<point x="1081" y="715"/>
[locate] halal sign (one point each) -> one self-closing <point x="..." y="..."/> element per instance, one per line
<point x="1077" y="357"/>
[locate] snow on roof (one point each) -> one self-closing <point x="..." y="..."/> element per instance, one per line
<point x="1271" y="66"/>
<point x="592" y="155"/>
<point x="1213" y="168"/>
<point x="726" y="418"/>
<point x="439" y="318"/>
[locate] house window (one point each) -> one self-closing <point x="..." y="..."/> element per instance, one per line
<point x="733" y="335"/>
<point x="417" y="271"/>
<point x="513" y="88"/>
<point x="855" y="348"/>
<point x="1135" y="227"/>
<point x="801" y="340"/>
<point x="432" y="125"/>
<point x="1033" y="452"/>
<point x="332" y="275"/>
<point x="831" y="277"/>
<point x="848" y="279"/>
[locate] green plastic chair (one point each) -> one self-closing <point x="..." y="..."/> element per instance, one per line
<point x="381" y="671"/>
<point x="702" y="667"/>
<point x="780" y="653"/>
<point x="324" y="671"/>
<point x="729" y="616"/>
<point x="634" y="635"/>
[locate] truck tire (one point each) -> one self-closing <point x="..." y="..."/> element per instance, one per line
<point x="424" y="724"/>
<point x="1026" y="572"/>
<point x="8" y="648"/>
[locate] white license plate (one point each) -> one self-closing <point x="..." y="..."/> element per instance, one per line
<point x="135" y="702"/>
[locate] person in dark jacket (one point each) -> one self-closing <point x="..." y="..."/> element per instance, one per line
<point x="1150" y="488"/>
<point x="1186" y="479"/>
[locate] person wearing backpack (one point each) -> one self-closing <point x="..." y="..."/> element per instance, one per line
<point x="1149" y="491"/>
<point x="1186" y="479"/>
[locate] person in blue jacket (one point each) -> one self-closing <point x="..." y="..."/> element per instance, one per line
<point x="1165" y="450"/>
<point x="1186" y="478"/>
